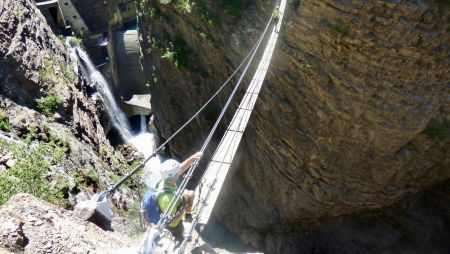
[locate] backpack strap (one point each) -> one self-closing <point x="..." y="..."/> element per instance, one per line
<point x="180" y="208"/>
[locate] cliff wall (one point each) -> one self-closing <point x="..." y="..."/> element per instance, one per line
<point x="55" y="129"/>
<point x="353" y="117"/>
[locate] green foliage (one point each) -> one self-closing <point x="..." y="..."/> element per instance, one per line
<point x="177" y="52"/>
<point x="5" y="125"/>
<point x="203" y="36"/>
<point x="339" y="28"/>
<point x="121" y="169"/>
<point x="235" y="7"/>
<point x="206" y="15"/>
<point x="75" y="42"/>
<point x="61" y="37"/>
<point x="116" y="163"/>
<point x="85" y="177"/>
<point x="154" y="79"/>
<point x="305" y="66"/>
<point x="169" y="53"/>
<point x="48" y="73"/>
<point x="48" y="105"/>
<point x="91" y="174"/>
<point x="28" y="173"/>
<point x="4" y="122"/>
<point x="31" y="133"/>
<point x="153" y="43"/>
<point x="67" y="73"/>
<point x="151" y="10"/>
<point x="61" y="148"/>
<point x="438" y="131"/>
<point x="102" y="150"/>
<point x="152" y="13"/>
<point x="209" y="19"/>
<point x="184" y="5"/>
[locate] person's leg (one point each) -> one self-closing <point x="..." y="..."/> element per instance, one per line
<point x="177" y="232"/>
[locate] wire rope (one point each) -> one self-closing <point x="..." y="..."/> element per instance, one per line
<point x="166" y="216"/>
<point x="142" y="164"/>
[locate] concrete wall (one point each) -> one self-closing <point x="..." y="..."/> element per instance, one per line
<point x="131" y="75"/>
<point x="73" y="17"/>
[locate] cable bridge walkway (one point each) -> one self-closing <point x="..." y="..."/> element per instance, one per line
<point x="217" y="170"/>
<point x="220" y="163"/>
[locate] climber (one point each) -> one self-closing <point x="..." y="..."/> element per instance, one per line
<point x="276" y="16"/>
<point x="160" y="198"/>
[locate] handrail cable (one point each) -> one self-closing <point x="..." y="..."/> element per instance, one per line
<point x="166" y="217"/>
<point x="142" y="164"/>
<point x="211" y="186"/>
<point x="203" y="202"/>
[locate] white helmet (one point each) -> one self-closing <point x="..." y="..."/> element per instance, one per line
<point x="170" y="168"/>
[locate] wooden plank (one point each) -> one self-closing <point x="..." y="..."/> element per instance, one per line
<point x="226" y="151"/>
<point x="217" y="169"/>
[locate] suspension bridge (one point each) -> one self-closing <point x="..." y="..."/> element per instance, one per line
<point x="208" y="191"/>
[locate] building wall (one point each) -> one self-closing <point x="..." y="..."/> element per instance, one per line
<point x="73" y="17"/>
<point x="127" y="51"/>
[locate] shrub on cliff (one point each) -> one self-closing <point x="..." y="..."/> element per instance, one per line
<point x="48" y="105"/>
<point x="184" y="5"/>
<point x="235" y="7"/>
<point x="75" y="42"/>
<point x="4" y="122"/>
<point x="28" y="173"/>
<point x="49" y="72"/>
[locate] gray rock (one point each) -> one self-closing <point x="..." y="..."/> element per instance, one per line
<point x="64" y="235"/>
<point x="10" y="163"/>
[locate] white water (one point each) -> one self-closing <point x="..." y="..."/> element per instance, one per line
<point x="144" y="142"/>
<point x="150" y="176"/>
<point x="143" y="124"/>
<point x="115" y="114"/>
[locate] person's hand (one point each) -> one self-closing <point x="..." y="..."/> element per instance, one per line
<point x="197" y="155"/>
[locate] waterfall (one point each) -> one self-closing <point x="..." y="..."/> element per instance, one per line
<point x="144" y="142"/>
<point x="143" y="124"/>
<point x="115" y="114"/>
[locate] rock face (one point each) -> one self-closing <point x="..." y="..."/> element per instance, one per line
<point x="35" y="63"/>
<point x="353" y="118"/>
<point x="34" y="226"/>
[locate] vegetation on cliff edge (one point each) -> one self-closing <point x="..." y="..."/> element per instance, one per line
<point x="30" y="170"/>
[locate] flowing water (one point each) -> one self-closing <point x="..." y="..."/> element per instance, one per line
<point x="144" y="141"/>
<point x="115" y="114"/>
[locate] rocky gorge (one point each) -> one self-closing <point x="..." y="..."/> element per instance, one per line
<point x="347" y="150"/>
<point x="348" y="146"/>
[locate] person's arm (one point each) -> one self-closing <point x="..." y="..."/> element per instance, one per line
<point x="185" y="164"/>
